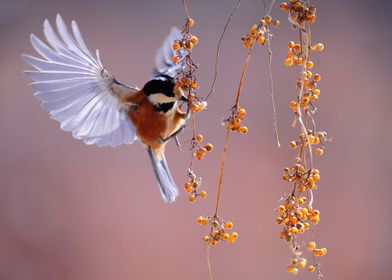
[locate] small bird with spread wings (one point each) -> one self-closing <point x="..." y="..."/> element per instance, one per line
<point x="88" y="101"/>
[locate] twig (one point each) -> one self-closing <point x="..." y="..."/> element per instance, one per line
<point x="218" y="49"/>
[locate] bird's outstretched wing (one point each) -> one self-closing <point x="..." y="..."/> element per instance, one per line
<point x="77" y="91"/>
<point x="164" y="57"/>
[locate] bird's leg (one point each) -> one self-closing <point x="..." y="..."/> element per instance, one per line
<point x="175" y="136"/>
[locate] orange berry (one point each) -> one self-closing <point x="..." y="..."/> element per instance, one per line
<point x="225" y="236"/>
<point x="276" y="23"/>
<point x="206" y="238"/>
<point x="228" y="225"/>
<point x="281" y="209"/>
<point x="243" y="129"/>
<point x="297" y="47"/>
<point x="316" y="177"/>
<point x="319" y="151"/>
<point x="176" y="46"/>
<point x="311" y="268"/>
<point x="188" y="45"/>
<point x="317" y="77"/>
<point x="298" y="61"/>
<point x="261" y="40"/>
<point x="291" y="44"/>
<point x="302" y="263"/>
<point x="316" y="91"/>
<point x="192" y="198"/>
<point x="293" y="270"/>
<point x="293" y="144"/>
<point x="318" y="47"/>
<point x="241" y="112"/>
<point x="200" y="220"/>
<point x="311" y="245"/>
<point x="284" y="6"/>
<point x="293" y="105"/>
<point x="203" y="194"/>
<point x="309" y="64"/>
<point x="188" y="187"/>
<point x="268" y="19"/>
<point x="194" y="85"/>
<point x="196" y="108"/>
<point x="315" y="97"/>
<point x="175" y="59"/>
<point x="190" y="22"/>
<point x="301" y="200"/>
<point x="293" y="220"/>
<point x="199" y="138"/>
<point x="288" y="62"/>
<point x="208" y="147"/>
<point x="252" y="33"/>
<point x="290" y="54"/>
<point x="194" y="40"/>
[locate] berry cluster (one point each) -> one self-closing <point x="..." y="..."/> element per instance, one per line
<point x="184" y="46"/>
<point x="304" y="179"/>
<point x="259" y="32"/>
<point x="218" y="230"/>
<point x="312" y="138"/>
<point x="299" y="12"/>
<point x="192" y="186"/>
<point x="233" y="123"/>
<point x="299" y="262"/>
<point x="296" y="213"/>
<point x="200" y="149"/>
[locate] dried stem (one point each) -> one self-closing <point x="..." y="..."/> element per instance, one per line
<point x="212" y="90"/>
<point x="221" y="172"/>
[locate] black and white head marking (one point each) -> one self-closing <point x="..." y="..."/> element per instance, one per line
<point x="162" y="93"/>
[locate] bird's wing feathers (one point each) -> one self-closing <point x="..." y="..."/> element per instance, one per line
<point x="163" y="59"/>
<point x="77" y="91"/>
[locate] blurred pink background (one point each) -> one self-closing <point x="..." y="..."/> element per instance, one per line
<point x="71" y="211"/>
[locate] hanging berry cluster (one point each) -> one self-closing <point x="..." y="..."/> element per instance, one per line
<point x="233" y="123"/>
<point x="296" y="213"/>
<point x="219" y="230"/>
<point x="259" y="32"/>
<point x="192" y="187"/>
<point x="186" y="80"/>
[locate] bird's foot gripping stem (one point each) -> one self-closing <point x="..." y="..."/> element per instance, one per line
<point x="175" y="136"/>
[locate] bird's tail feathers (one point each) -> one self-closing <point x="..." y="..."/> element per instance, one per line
<point x="166" y="184"/>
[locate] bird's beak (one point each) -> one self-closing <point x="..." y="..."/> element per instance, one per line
<point x="183" y="98"/>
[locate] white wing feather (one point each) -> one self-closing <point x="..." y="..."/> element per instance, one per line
<point x="76" y="90"/>
<point x="163" y="59"/>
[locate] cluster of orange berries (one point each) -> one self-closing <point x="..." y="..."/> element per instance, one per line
<point x="296" y="216"/>
<point x="295" y="55"/>
<point x="185" y="45"/>
<point x="305" y="179"/>
<point x="218" y="230"/>
<point x="259" y="32"/>
<point x="298" y="11"/>
<point x="192" y="186"/>
<point x="233" y="123"/>
<point x="299" y="262"/>
<point x="314" y="137"/>
<point x="201" y="150"/>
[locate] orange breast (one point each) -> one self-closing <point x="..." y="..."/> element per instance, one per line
<point x="149" y="124"/>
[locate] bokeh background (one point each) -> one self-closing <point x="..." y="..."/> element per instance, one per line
<point x="71" y="211"/>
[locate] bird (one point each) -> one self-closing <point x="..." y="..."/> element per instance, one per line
<point x="87" y="100"/>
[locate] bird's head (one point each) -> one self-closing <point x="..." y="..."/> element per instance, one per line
<point x="162" y="90"/>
